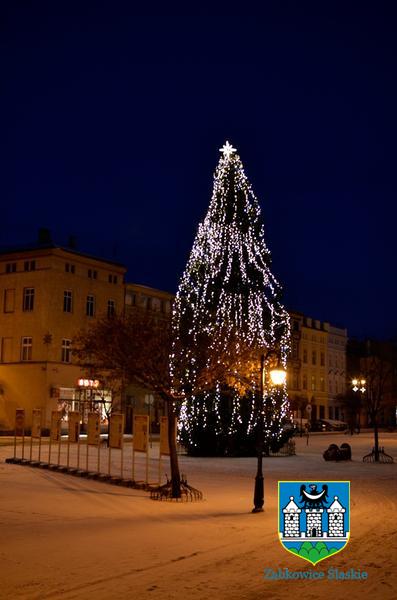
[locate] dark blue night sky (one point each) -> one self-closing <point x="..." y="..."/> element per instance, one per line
<point x="111" y="124"/>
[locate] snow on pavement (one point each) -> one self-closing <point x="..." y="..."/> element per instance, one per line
<point x="71" y="538"/>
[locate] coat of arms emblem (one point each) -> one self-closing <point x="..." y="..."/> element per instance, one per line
<point x="314" y="517"/>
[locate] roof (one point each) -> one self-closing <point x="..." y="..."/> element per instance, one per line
<point x="291" y="506"/>
<point x="336" y="506"/>
<point x="51" y="246"/>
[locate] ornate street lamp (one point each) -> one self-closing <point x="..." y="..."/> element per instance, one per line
<point x="358" y="385"/>
<point x="277" y="376"/>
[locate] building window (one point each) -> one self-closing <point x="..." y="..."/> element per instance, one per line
<point x="26" y="348"/>
<point x="9" y="300"/>
<point x="112" y="278"/>
<point x="66" y="356"/>
<point x="29" y="265"/>
<point x="111" y="308"/>
<point x="130" y="299"/>
<point x="7" y="349"/>
<point x="11" y="267"/>
<point x="92" y="274"/>
<point x="313" y="383"/>
<point x="304" y="355"/>
<point x="314" y="357"/>
<point x="322" y="359"/>
<point x="67" y="301"/>
<point x="295" y="381"/>
<point x="322" y="384"/>
<point x="28" y="299"/>
<point x="69" y="268"/>
<point x="90" y="306"/>
<point x="304" y="381"/>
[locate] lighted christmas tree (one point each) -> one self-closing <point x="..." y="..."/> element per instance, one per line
<point x="228" y="302"/>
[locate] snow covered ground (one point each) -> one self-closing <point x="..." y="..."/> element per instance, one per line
<point x="71" y="538"/>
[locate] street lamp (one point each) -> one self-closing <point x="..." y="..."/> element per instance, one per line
<point x="358" y="385"/>
<point x="277" y="376"/>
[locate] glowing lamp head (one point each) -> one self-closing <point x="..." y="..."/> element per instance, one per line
<point x="278" y="375"/>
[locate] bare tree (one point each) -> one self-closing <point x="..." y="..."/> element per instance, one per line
<point x="378" y="372"/>
<point x="134" y="349"/>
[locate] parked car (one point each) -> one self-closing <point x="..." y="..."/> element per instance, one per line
<point x="329" y="425"/>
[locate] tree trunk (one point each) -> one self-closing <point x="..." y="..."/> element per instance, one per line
<point x="376" y="437"/>
<point x="175" y="476"/>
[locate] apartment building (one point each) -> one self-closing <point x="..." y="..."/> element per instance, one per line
<point x="48" y="293"/>
<point x="316" y="369"/>
<point x="337" y="342"/>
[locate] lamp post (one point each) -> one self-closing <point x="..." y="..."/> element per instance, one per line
<point x="358" y="385"/>
<point x="277" y="376"/>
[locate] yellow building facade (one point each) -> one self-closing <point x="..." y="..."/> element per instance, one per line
<point x="48" y="294"/>
<point x="316" y="368"/>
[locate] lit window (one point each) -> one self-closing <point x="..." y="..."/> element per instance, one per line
<point x="90" y="306"/>
<point x="28" y="299"/>
<point x="67" y="301"/>
<point x="66" y="355"/>
<point x="26" y="348"/>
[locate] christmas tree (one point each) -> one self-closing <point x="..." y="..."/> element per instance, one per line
<point x="227" y="304"/>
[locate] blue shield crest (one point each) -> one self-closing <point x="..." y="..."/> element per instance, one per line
<point x="314" y="518"/>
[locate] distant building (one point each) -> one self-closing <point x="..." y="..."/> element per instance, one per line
<point x="48" y="293"/>
<point x="337" y="342"/>
<point x="308" y="367"/>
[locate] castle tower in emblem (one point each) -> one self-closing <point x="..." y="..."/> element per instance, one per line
<point x="336" y="514"/>
<point x="291" y="519"/>
<point x="313" y="522"/>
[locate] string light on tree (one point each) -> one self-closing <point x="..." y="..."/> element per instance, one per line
<point x="228" y="296"/>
